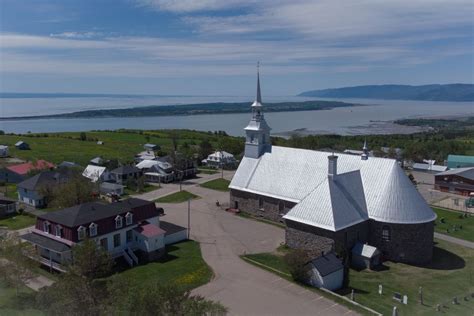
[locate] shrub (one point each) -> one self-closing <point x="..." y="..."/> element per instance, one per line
<point x="297" y="261"/>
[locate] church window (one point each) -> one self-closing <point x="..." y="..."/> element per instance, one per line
<point x="386" y="233"/>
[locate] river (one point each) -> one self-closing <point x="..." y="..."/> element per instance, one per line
<point x="374" y="118"/>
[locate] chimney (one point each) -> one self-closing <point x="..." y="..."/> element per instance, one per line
<point x="332" y="166"/>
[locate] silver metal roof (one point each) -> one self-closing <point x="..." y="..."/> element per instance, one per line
<point x="293" y="174"/>
<point x="365" y="250"/>
<point x="463" y="172"/>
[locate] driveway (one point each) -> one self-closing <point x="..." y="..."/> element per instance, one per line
<point x="240" y="286"/>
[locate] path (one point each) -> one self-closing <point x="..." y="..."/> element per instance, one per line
<point x="238" y="285"/>
<point x="454" y="240"/>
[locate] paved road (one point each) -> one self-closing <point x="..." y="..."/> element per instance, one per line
<point x="454" y="240"/>
<point x="242" y="287"/>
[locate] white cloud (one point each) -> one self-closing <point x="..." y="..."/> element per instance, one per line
<point x="182" y="6"/>
<point x="77" y="35"/>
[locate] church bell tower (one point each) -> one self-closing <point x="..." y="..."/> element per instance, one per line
<point x="257" y="132"/>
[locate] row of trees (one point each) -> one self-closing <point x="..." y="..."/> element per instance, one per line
<point x="87" y="288"/>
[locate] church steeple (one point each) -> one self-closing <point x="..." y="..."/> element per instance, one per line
<point x="257" y="131"/>
<point x="365" y="151"/>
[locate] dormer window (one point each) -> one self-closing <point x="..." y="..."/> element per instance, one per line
<point x="81" y="233"/>
<point x="59" y="231"/>
<point x="93" y="229"/>
<point x="46" y="227"/>
<point x="129" y="219"/>
<point x="118" y="222"/>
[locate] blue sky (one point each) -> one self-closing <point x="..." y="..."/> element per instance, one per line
<point x="210" y="47"/>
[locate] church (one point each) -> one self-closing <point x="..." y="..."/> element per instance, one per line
<point x="332" y="202"/>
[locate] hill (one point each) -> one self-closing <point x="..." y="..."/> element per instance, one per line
<point x="434" y="92"/>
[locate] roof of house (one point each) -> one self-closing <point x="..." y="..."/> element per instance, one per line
<point x="45" y="178"/>
<point x="365" y="250"/>
<point x="292" y="174"/>
<point x="429" y="167"/>
<point x="97" y="160"/>
<point x="20" y="143"/>
<point x="93" y="172"/>
<point x="150" y="145"/>
<point x="462" y="172"/>
<point x="26" y="167"/>
<point x="223" y="154"/>
<point x="327" y="264"/>
<point x="461" y="158"/>
<point x="146" y="164"/>
<point x="171" y="228"/>
<point x="149" y="230"/>
<point x="3" y="147"/>
<point x="46" y="242"/>
<point x="111" y="186"/>
<point x="92" y="211"/>
<point x="127" y="169"/>
<point x="6" y="200"/>
<point x="68" y="164"/>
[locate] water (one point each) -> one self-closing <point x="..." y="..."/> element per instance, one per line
<point x="344" y="121"/>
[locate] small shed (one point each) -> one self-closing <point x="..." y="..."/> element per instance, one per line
<point x="99" y="142"/>
<point x="3" y="151"/>
<point x="151" y="147"/>
<point x="365" y="256"/>
<point x="21" y="145"/>
<point x="326" y="272"/>
<point x="7" y="206"/>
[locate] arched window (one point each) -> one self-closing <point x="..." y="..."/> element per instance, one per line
<point x="129" y="219"/>
<point x="281" y="206"/>
<point x="46" y="227"/>
<point x="59" y="231"/>
<point x="81" y="233"/>
<point x="386" y="233"/>
<point x="118" y="222"/>
<point x="260" y="202"/>
<point x="93" y="229"/>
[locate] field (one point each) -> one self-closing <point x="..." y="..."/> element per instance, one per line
<point x="121" y="145"/>
<point x="450" y="274"/>
<point x="13" y="304"/>
<point x="217" y="184"/>
<point x="9" y="190"/>
<point x="17" y="221"/>
<point x="178" y="197"/>
<point x="183" y="266"/>
<point x="147" y="188"/>
<point x="464" y="225"/>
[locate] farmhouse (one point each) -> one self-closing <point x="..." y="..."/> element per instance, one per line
<point x="125" y="173"/>
<point x="129" y="229"/>
<point x="331" y="202"/>
<point x="3" y="151"/>
<point x="220" y="159"/>
<point x="458" y="181"/>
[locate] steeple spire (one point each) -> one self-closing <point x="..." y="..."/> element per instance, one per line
<point x="259" y="95"/>
<point x="365" y="151"/>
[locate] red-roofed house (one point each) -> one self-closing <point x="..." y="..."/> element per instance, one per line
<point x="18" y="173"/>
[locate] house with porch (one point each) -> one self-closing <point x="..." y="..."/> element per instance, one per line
<point x="129" y="229"/>
<point x="126" y="173"/>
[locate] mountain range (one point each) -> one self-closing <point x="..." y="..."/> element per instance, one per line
<point x="434" y="92"/>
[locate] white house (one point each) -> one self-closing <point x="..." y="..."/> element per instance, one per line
<point x="3" y="151"/>
<point x="219" y="159"/>
<point x="96" y="173"/>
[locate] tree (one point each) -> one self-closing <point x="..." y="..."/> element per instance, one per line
<point x="297" y="262"/>
<point x="15" y="267"/>
<point x="83" y="136"/>
<point x="205" y="149"/>
<point x="76" y="190"/>
<point x="90" y="261"/>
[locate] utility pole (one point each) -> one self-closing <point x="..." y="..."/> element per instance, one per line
<point x="189" y="218"/>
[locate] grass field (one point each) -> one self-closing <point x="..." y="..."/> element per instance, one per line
<point x="178" y="197"/>
<point x="217" y="184"/>
<point x="9" y="190"/>
<point x="147" y="188"/>
<point x="183" y="267"/>
<point x="121" y="145"/>
<point x="452" y="218"/>
<point x="17" y="221"/>
<point x="450" y="274"/>
<point x="13" y="303"/>
<point x="207" y="171"/>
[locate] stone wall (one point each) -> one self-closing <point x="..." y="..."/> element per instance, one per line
<point x="270" y="208"/>
<point x="409" y="243"/>
<point x="316" y="240"/>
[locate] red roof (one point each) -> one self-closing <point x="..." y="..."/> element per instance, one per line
<point x="149" y="230"/>
<point x="26" y="167"/>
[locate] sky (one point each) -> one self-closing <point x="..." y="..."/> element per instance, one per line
<point x="211" y="47"/>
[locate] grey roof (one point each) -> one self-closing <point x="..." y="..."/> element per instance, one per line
<point x="171" y="228"/>
<point x="46" y="242"/>
<point x="3" y="147"/>
<point x="336" y="203"/>
<point x="292" y="174"/>
<point x="97" y="160"/>
<point x="429" y="167"/>
<point x="19" y="143"/>
<point x="151" y="145"/>
<point x="68" y="164"/>
<point x="6" y="200"/>
<point x="45" y="178"/>
<point x="467" y="173"/>
<point x="327" y="264"/>
<point x="365" y="250"/>
<point x="111" y="186"/>
<point x="125" y="170"/>
<point x="92" y="211"/>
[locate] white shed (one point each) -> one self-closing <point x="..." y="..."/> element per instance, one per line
<point x="326" y="272"/>
<point x="365" y="256"/>
<point x="3" y="151"/>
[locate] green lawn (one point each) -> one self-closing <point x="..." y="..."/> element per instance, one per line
<point x="452" y="218"/>
<point x="217" y="184"/>
<point x="450" y="274"/>
<point x="9" y="190"/>
<point x="13" y="303"/>
<point x="18" y="221"/>
<point x="183" y="267"/>
<point x="178" y="197"/>
<point x="147" y="188"/>
<point x="207" y="171"/>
